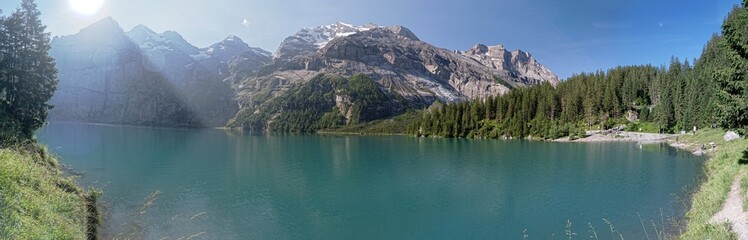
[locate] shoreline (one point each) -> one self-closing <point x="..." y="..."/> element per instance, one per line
<point x="336" y="133"/>
<point x="61" y="207"/>
<point x="672" y="140"/>
<point x="620" y="136"/>
<point x="722" y="166"/>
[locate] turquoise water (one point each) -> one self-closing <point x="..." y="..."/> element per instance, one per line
<point x="218" y="185"/>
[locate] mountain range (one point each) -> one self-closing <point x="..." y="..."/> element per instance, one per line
<point x="141" y="77"/>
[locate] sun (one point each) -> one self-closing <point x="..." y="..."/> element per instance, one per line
<point x="86" y="7"/>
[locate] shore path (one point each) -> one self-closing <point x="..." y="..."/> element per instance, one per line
<point x="733" y="212"/>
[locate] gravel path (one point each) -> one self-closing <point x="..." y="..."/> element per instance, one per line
<point x="620" y="136"/>
<point x="733" y="212"/>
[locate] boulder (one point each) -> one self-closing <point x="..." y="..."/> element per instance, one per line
<point x="632" y="116"/>
<point x="731" y="135"/>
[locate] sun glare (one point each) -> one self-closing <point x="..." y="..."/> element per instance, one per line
<point x="86" y="7"/>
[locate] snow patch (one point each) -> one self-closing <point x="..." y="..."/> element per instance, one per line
<point x="320" y="36"/>
<point x="202" y="55"/>
<point x="438" y="90"/>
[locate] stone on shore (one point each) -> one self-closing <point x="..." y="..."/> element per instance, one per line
<point x="731" y="135"/>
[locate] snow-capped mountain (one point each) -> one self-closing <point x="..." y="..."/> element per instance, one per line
<point x="312" y="39"/>
<point x="216" y="57"/>
<point x="398" y="61"/>
<point x="164" y="55"/>
<point x="144" y="77"/>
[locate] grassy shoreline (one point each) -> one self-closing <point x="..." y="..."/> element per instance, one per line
<point x="719" y="172"/>
<point x="38" y="202"/>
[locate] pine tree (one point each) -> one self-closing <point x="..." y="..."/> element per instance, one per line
<point x="732" y="94"/>
<point x="31" y="77"/>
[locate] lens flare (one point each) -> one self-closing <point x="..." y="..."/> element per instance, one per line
<point x="86" y="7"/>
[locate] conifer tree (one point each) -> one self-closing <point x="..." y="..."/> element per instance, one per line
<point x="30" y="77"/>
<point x="732" y="82"/>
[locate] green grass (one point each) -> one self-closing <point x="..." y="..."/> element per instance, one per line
<point x="720" y="171"/>
<point x="394" y="125"/>
<point x="35" y="201"/>
<point x="744" y="190"/>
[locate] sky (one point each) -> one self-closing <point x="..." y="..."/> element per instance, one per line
<point x="568" y="37"/>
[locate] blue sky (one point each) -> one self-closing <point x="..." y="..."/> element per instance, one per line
<point x="567" y="36"/>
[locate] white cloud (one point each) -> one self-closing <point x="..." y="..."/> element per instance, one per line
<point x="246" y="22"/>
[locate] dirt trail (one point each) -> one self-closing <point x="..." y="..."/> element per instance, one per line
<point x="733" y="212"/>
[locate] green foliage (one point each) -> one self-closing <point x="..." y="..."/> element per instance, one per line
<point x="642" y="126"/>
<point x="720" y="171"/>
<point x="395" y="125"/>
<point x="503" y="82"/>
<point x="28" y="76"/>
<point x="368" y="101"/>
<point x="37" y="202"/>
<point x="595" y="99"/>
<point x="321" y="103"/>
<point x="730" y="71"/>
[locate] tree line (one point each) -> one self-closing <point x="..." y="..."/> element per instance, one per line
<point x="666" y="99"/>
<point x="28" y="76"/>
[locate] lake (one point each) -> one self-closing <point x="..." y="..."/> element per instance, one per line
<point x="213" y="184"/>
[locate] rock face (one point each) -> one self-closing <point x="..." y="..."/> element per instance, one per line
<point x="198" y="74"/>
<point x="517" y="65"/>
<point x="396" y="60"/>
<point x="144" y="78"/>
<point x="103" y="78"/>
<point x="216" y="58"/>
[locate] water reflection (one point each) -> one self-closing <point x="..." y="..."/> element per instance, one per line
<point x="232" y="186"/>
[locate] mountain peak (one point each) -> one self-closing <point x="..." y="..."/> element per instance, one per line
<point x="106" y="21"/>
<point x="370" y="25"/>
<point x="478" y="49"/>
<point x="231" y="45"/>
<point x="103" y="26"/>
<point x="521" y="54"/>
<point x="143" y="28"/>
<point x="173" y="36"/>
<point x="141" y="33"/>
<point x="232" y="38"/>
<point x="482" y="49"/>
<point x="343" y="24"/>
<point x="403" y="31"/>
<point x="311" y="39"/>
<point x="232" y="42"/>
<point x="514" y="63"/>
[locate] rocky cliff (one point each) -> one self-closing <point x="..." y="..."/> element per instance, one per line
<point x="144" y="78"/>
<point x="103" y="78"/>
<point x="396" y="59"/>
